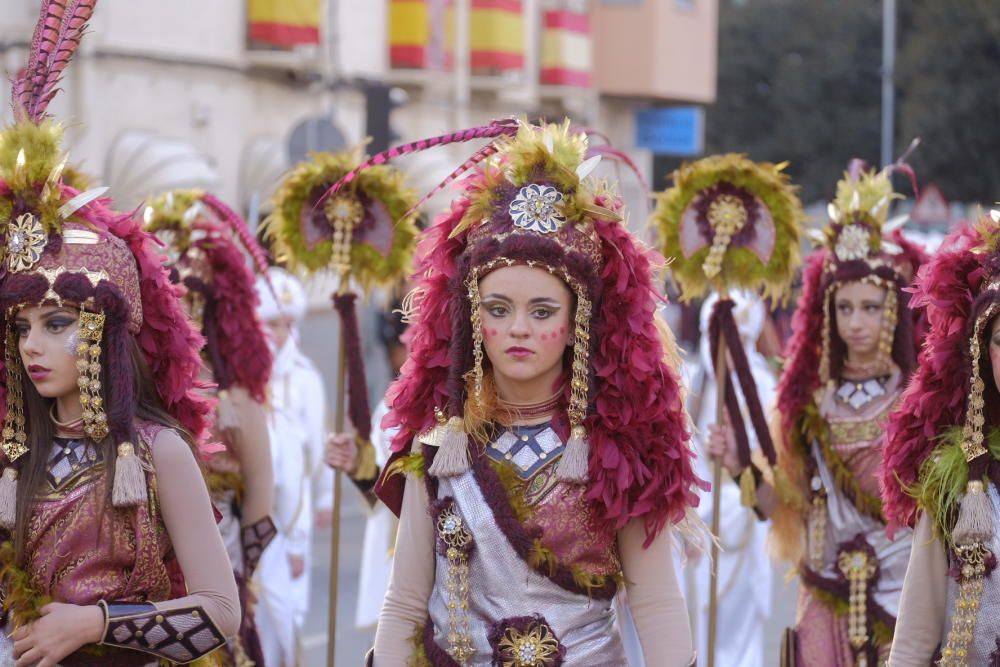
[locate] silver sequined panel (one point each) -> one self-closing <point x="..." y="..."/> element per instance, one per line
<point x="844" y="522"/>
<point x="502" y="586"/>
<point x="987" y="630"/>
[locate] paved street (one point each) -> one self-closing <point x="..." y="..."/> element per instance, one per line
<point x="351" y="643"/>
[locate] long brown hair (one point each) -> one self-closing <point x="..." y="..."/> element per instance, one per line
<point x="41" y="432"/>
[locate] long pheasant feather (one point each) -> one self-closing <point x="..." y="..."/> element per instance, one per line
<point x="498" y="128"/>
<point x="60" y="27"/>
<point x="239" y="227"/>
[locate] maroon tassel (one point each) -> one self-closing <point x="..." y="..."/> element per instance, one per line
<point x="357" y="387"/>
<point x="731" y="401"/>
<point x="722" y="322"/>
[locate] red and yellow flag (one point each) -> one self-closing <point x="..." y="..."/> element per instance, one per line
<point x="283" y="24"/>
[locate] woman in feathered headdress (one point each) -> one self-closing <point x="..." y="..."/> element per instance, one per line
<point x="542" y="454"/>
<point x="202" y="238"/>
<point x="940" y="470"/>
<point x="110" y="555"/>
<point x="852" y="349"/>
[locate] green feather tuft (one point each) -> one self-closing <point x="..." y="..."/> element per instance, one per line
<point x="944" y="476"/>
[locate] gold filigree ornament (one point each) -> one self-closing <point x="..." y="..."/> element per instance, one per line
<point x="728" y="216"/>
<point x="345" y="213"/>
<point x="26" y="239"/>
<point x="534" y="647"/>
<point x="538" y="208"/>
<point x="451" y="530"/>
<point x="853" y="243"/>
<point x="973" y="558"/>
<point x="858" y="567"/>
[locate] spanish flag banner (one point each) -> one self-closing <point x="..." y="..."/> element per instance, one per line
<point x="422" y="35"/>
<point x="283" y="24"/>
<point x="496" y="36"/>
<point x="566" y="49"/>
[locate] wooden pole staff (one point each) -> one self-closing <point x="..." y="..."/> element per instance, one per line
<point x="338" y="427"/>
<point x="721" y="375"/>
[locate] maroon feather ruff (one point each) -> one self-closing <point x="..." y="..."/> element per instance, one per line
<point x="947" y="287"/>
<point x="238" y="225"/>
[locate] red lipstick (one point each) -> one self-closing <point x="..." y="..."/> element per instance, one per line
<point x="38" y="373"/>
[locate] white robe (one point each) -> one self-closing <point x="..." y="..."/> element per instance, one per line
<point x="379" y="541"/>
<point x="297" y="392"/>
<point x="744" y="586"/>
<point x="277" y="598"/>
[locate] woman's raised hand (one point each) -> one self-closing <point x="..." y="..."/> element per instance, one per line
<point x="721" y="446"/>
<point x="341" y="452"/>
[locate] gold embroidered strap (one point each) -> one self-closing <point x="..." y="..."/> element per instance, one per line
<point x="457" y="540"/>
<point x="817" y="525"/>
<point x="973" y="558"/>
<point x="858" y="567"/>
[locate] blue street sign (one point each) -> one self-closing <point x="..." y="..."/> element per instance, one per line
<point x="671" y="130"/>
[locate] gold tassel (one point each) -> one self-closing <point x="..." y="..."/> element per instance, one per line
<point x="8" y="498"/>
<point x="575" y="460"/>
<point x="452" y="443"/>
<point x="366" y="468"/>
<point x="975" y="516"/>
<point x="748" y="488"/>
<point x="129" y="489"/>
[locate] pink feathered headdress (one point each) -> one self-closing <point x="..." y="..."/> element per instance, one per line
<point x="60" y="244"/>
<point x="859" y="243"/>
<point x="639" y="465"/>
<point x="953" y="290"/>
<point x="202" y="235"/>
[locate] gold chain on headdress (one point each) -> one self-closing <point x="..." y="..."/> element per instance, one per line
<point x="14" y="437"/>
<point x="91" y="328"/>
<point x="887" y="329"/>
<point x="580" y="381"/>
<point x="972" y="430"/>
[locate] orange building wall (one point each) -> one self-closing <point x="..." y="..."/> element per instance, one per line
<point x="661" y="49"/>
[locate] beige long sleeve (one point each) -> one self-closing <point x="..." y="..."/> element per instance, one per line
<point x="190" y="521"/>
<point x="251" y="445"/>
<point x="920" y="623"/>
<point x="654" y="597"/>
<point x="405" y="607"/>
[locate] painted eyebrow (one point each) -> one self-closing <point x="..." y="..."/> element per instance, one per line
<point x="535" y="301"/>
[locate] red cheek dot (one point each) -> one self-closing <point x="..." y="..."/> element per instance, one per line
<point x="562" y="330"/>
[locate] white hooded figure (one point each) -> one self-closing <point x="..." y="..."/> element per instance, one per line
<point x="297" y="422"/>
<point x="744" y="585"/>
